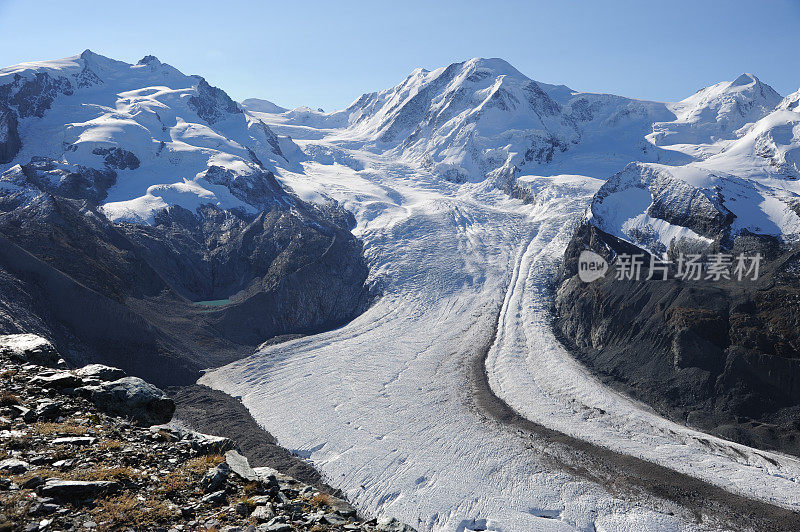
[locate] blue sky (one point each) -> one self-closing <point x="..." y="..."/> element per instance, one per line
<point x="325" y="54"/>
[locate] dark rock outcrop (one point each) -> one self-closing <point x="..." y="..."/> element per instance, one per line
<point x="291" y="268"/>
<point x="211" y="103"/>
<point x="10" y="142"/>
<point x="117" y="158"/>
<point x="722" y="356"/>
<point x="133" y="398"/>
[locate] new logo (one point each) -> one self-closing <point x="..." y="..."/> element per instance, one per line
<point x="591" y="266"/>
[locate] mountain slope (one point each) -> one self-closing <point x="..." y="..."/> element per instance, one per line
<point x="718" y="354"/>
<point x="139" y="191"/>
<point x="717" y="112"/>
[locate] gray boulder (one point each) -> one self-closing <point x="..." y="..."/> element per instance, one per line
<point x="133" y="398"/>
<point x="47" y="410"/>
<point x="57" y="380"/>
<point x="100" y="373"/>
<point x="240" y="465"/>
<point x="215" y="478"/>
<point x="29" y="348"/>
<point x="390" y="524"/>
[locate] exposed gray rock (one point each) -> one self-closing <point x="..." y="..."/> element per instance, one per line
<point x="133" y="398"/>
<point x="212" y="103"/>
<point x="239" y="465"/>
<point x="10" y="142"/>
<point x="47" y="410"/>
<point x="57" y="380"/>
<point x="100" y="372"/>
<point x="390" y="524"/>
<point x="215" y="478"/>
<point x="118" y="158"/>
<point x="721" y="356"/>
<point x="13" y="465"/>
<point x="69" y="181"/>
<point x="262" y="514"/>
<point x="77" y="489"/>
<point x="29" y="348"/>
<point x="216" y="498"/>
<point x="33" y="96"/>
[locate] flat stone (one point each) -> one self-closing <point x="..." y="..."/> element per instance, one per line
<point x="57" y="380"/>
<point x="32" y="483"/>
<point x="240" y="465"/>
<point x="100" y="373"/>
<point x="77" y="489"/>
<point x="75" y="440"/>
<point x="218" y="497"/>
<point x="334" y="519"/>
<point x="262" y="514"/>
<point x="14" y="466"/>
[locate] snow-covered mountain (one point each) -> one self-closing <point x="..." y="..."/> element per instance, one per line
<point x="717" y="112"/>
<point x="170" y="139"/>
<point x="136" y="191"/>
<point x="746" y="183"/>
<point x="701" y="170"/>
<point x="262" y="106"/>
<point x="484" y="118"/>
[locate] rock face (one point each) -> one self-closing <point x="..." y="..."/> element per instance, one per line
<point x="721" y="356"/>
<point x="10" y="143"/>
<point x="137" y="261"/>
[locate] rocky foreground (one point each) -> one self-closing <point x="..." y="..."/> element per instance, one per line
<point x="92" y="449"/>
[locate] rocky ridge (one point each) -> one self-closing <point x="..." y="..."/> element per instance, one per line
<point x="92" y="449"/>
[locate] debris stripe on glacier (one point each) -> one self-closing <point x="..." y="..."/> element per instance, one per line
<point x="532" y="372"/>
<point x="381" y="406"/>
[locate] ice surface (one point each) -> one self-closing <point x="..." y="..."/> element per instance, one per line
<point x="383" y="405"/>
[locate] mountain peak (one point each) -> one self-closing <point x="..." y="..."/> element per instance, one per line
<point x="744" y="79"/>
<point x="495" y="64"/>
<point x="149" y="60"/>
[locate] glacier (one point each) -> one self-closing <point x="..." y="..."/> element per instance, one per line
<point x="384" y="408"/>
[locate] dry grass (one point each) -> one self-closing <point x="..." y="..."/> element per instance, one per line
<point x="319" y="500"/>
<point x="60" y="429"/>
<point x="15" y="503"/>
<point x="182" y="478"/>
<point x="110" y="445"/>
<point x="9" y="399"/>
<point x="252" y="488"/>
<point x="176" y="482"/>
<point x="250" y="503"/>
<point x="127" y="511"/>
<point x="99" y="472"/>
<point x="201" y="464"/>
<point x="120" y="473"/>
